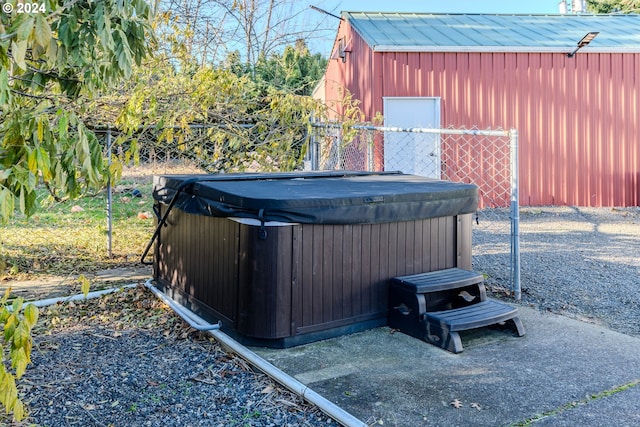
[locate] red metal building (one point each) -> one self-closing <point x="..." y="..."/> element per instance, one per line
<point x="577" y="117"/>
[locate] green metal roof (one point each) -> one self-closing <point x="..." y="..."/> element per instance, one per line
<point x="407" y="32"/>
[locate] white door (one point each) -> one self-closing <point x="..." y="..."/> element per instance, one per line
<point x="414" y="153"/>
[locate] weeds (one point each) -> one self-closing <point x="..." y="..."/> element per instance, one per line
<point x="571" y="405"/>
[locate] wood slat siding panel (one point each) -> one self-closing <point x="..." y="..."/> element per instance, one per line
<point x="281" y="308"/>
<point x="463" y="243"/>
<point x="308" y="276"/>
<point x="337" y="282"/>
<point x="328" y="244"/>
<point x="234" y="264"/>
<point x="357" y="274"/>
<point x="217" y="263"/>
<point x="247" y="295"/>
<point x="264" y="304"/>
<point x="409" y="246"/>
<point x="379" y="259"/>
<point x="345" y="269"/>
<point x="434" y="247"/>
<point x="442" y="244"/>
<point x="375" y="259"/>
<point x="577" y="118"/>
<point x="368" y="263"/>
<point x="215" y="269"/>
<point x="317" y="267"/>
<point x="451" y="242"/>
<point x="297" y="311"/>
<point x="201" y="287"/>
<point x="399" y="259"/>
<point x="416" y="250"/>
<point x="224" y="257"/>
<point x="302" y="277"/>
<point x="197" y="257"/>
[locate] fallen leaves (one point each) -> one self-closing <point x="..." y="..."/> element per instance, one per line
<point x="476" y="406"/>
<point x="118" y="311"/>
<point x="145" y="215"/>
<point x="457" y="404"/>
<point x="66" y="238"/>
<point x="466" y="296"/>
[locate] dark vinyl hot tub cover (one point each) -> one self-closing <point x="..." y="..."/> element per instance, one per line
<point x="317" y="197"/>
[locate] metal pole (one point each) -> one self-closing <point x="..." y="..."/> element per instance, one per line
<point x="109" y="199"/>
<point x="515" y="218"/>
<point x="313" y="151"/>
<point x="370" y="142"/>
<point x="339" y="163"/>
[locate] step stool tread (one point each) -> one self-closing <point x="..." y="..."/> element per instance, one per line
<point x="478" y="315"/>
<point x="440" y="280"/>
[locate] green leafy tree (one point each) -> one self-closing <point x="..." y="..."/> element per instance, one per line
<point x="611" y="6"/>
<point x="295" y="70"/>
<point x="52" y="63"/>
<point x="239" y="122"/>
<point x="223" y="118"/>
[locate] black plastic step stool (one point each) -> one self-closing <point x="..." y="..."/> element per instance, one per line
<point x="435" y="306"/>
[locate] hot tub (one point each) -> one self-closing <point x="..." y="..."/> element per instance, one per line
<point x="288" y="258"/>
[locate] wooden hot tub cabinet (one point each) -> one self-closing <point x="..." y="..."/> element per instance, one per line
<point x="274" y="279"/>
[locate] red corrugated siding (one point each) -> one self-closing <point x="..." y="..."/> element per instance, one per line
<point x="577" y="118"/>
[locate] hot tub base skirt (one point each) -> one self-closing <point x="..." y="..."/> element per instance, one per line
<point x="316" y="333"/>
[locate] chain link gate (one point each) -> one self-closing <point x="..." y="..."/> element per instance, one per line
<point x="486" y="158"/>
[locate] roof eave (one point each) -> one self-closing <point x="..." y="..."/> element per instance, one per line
<point x="501" y="49"/>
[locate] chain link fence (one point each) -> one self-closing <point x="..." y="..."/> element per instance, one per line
<point x="486" y="158"/>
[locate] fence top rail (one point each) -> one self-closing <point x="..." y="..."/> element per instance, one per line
<point x="477" y="132"/>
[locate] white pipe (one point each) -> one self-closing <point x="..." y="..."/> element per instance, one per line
<point x="194" y="321"/>
<point x="79" y="297"/>
<point x="326" y="406"/>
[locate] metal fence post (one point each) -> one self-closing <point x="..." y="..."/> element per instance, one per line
<point x="340" y="162"/>
<point x="515" y="218"/>
<point x="315" y="152"/>
<point x="370" y="141"/>
<point x="109" y="198"/>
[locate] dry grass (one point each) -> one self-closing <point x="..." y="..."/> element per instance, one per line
<point x="61" y="242"/>
<point x="66" y="238"/>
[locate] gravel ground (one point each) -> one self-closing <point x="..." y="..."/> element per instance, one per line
<point x="127" y="360"/>
<point x="580" y="262"/>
